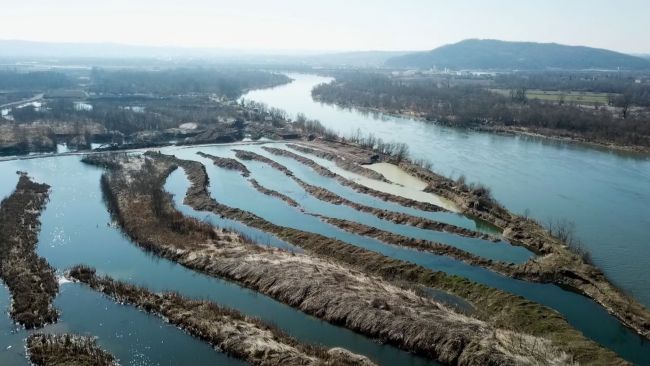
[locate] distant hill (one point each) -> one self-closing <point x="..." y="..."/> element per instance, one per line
<point x="479" y="54"/>
<point x="29" y="50"/>
<point x="353" y="59"/>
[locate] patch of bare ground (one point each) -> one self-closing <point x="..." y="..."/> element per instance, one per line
<point x="269" y="192"/>
<point x="229" y="331"/>
<point x="557" y="262"/>
<point x="395" y="217"/>
<point x="30" y="278"/>
<point x="320" y="285"/>
<point x="66" y="350"/>
<point x="499" y="309"/>
<point x="226" y="163"/>
<point x="424" y="206"/>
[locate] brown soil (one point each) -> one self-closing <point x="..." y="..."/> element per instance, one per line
<point x="66" y="350"/>
<point x="30" y="278"/>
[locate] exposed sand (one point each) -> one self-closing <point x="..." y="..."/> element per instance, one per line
<point x="398" y="176"/>
<point x="401" y="184"/>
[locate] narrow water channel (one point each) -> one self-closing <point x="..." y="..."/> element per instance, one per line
<point x="75" y="229"/>
<point x="228" y="187"/>
<point x="606" y="193"/>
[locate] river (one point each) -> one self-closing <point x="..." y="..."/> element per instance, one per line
<point x="606" y="194"/>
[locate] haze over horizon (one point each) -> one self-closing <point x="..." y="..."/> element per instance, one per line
<point x="327" y="27"/>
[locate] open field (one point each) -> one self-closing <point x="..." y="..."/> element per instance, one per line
<point x="576" y="97"/>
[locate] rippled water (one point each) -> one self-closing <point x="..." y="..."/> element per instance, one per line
<point x="607" y="194"/>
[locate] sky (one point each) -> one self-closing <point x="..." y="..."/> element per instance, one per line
<point x="331" y="25"/>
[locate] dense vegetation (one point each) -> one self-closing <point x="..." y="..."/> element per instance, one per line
<point x="35" y="79"/>
<point x="30" y="279"/>
<point x="223" y="82"/>
<point x="475" y="106"/>
<point x="66" y="350"/>
<point x="500" y="55"/>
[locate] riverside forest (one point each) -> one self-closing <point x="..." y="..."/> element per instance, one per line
<point x="480" y="202"/>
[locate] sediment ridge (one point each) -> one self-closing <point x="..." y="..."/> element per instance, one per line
<point x="66" y="350"/>
<point x="329" y="289"/>
<point x="395" y="217"/>
<point x="555" y="263"/>
<point x="227" y="330"/>
<point x="424" y="206"/>
<point x="226" y="163"/>
<point x="269" y="192"/>
<point x="498" y="308"/>
<point x="30" y="279"/>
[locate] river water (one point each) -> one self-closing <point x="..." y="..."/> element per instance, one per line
<point x="606" y="194"/>
<point x="76" y="230"/>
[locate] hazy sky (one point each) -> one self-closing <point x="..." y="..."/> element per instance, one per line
<point x="621" y="25"/>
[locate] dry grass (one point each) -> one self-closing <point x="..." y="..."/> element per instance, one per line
<point x="66" y="350"/>
<point x="30" y="278"/>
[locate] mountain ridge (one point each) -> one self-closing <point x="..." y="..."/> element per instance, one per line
<point x="491" y="54"/>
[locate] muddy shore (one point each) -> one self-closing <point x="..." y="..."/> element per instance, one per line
<point x="556" y="262"/>
<point x="225" y="329"/>
<point x="424" y="206"/>
<point x="498" y="308"/>
<point x="30" y="279"/>
<point x="395" y="217"/>
<point x="66" y="350"/>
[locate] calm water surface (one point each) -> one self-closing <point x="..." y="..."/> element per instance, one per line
<point x="607" y="194"/>
<point x="75" y="229"/>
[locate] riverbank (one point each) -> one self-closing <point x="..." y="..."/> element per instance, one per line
<point x="385" y="190"/>
<point x="556" y="263"/>
<point x="314" y="284"/>
<point x="497" y="307"/>
<point x="225" y="329"/>
<point x="66" y="350"/>
<point x="489" y="127"/>
<point x="30" y="279"/>
<point x="328" y="196"/>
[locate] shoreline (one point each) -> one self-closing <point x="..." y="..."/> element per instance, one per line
<point x="30" y="279"/>
<point x="330" y="290"/>
<point x="62" y="349"/>
<point x="227" y="330"/>
<point x="556" y="262"/>
<point x="503" y="307"/>
<point x="504" y="130"/>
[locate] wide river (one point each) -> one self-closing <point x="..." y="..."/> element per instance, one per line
<point x="606" y="194"/>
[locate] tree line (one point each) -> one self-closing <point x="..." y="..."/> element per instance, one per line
<point x="474" y="105"/>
